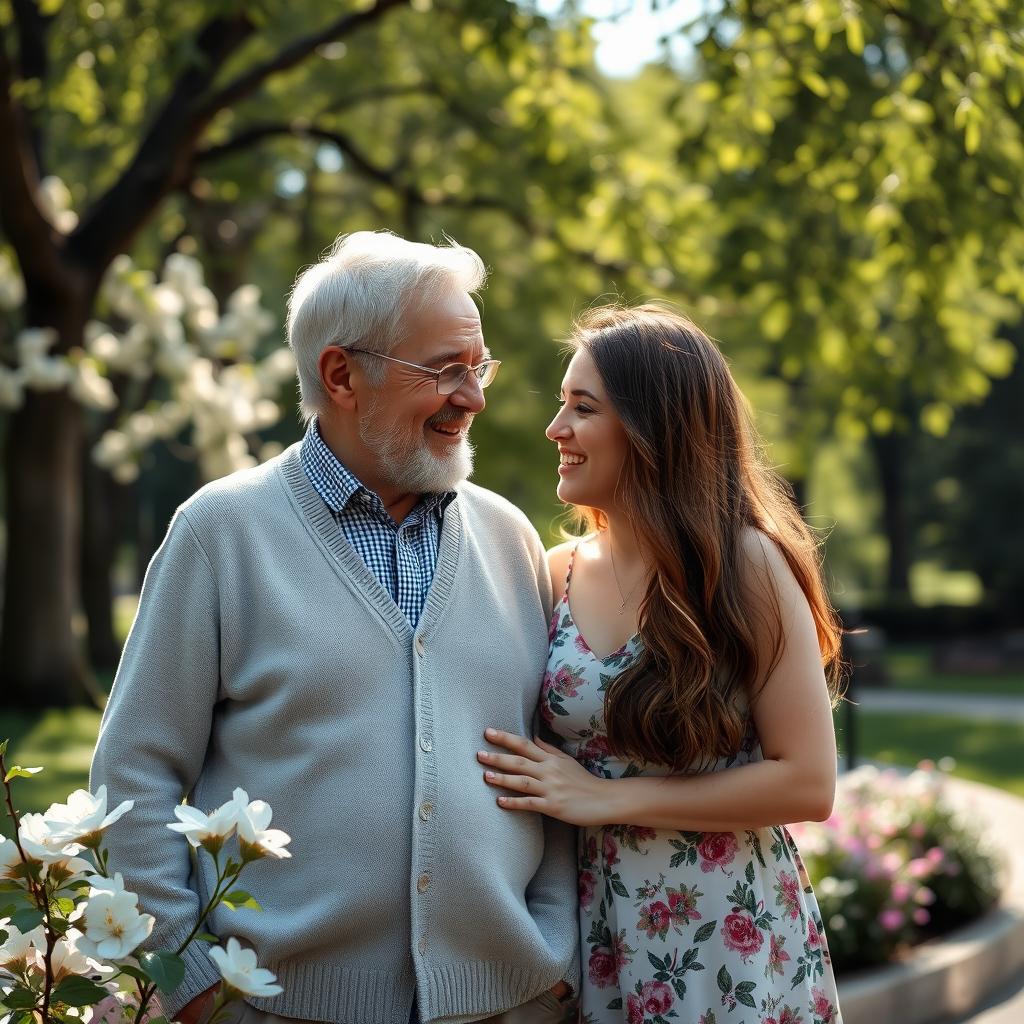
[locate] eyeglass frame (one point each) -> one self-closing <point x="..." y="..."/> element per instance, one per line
<point x="436" y="374"/>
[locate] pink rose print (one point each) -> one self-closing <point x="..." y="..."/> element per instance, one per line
<point x="601" y="969"/>
<point x="716" y="850"/>
<point x="634" y="835"/>
<point x="621" y="950"/>
<point x="553" y="625"/>
<point x="741" y="934"/>
<point x="813" y="936"/>
<point x="593" y="753"/>
<point x="822" y="1007"/>
<point x="566" y="682"/>
<point x="611" y="851"/>
<point x="790" y="1016"/>
<point x="634" y="1009"/>
<point x="655" y="920"/>
<point x="656" y="997"/>
<point x="581" y="645"/>
<point x="586" y="889"/>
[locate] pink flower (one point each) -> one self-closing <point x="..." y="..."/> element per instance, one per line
<point x="900" y="892"/>
<point x="741" y="934"/>
<point x="581" y="645"/>
<point x="566" y="682"/>
<point x="683" y="905"/>
<point x="777" y="956"/>
<point x="921" y="916"/>
<point x="823" y="1008"/>
<point x="813" y="935"/>
<point x="656" y="997"/>
<point x="716" y="849"/>
<point x="586" y="889"/>
<point x="634" y="1009"/>
<point x="601" y="969"/>
<point x="621" y="950"/>
<point x="655" y="919"/>
<point x="891" y="920"/>
<point x="611" y="851"/>
<point x="788" y="894"/>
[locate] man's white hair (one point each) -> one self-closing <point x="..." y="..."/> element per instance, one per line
<point x="359" y="293"/>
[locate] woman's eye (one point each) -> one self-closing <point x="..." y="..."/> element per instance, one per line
<point x="583" y="410"/>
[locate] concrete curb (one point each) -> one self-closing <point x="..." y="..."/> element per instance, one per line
<point x="953" y="976"/>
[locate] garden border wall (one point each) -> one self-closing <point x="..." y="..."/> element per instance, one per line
<point x="954" y="975"/>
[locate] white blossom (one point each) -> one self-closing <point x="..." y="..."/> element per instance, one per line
<point x="238" y="968"/>
<point x="205" y="829"/>
<point x="12" y="287"/>
<point x="54" y="199"/>
<point x="12" y="391"/>
<point x="113" y="927"/>
<point x="17" y="950"/>
<point x="42" y="842"/>
<point x="85" y="815"/>
<point x="91" y="388"/>
<point x="253" y="818"/>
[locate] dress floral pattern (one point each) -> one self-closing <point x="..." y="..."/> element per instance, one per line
<point x="687" y="927"/>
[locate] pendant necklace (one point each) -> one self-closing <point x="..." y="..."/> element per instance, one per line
<point x="618" y="585"/>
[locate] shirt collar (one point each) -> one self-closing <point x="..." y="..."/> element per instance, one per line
<point x="338" y="485"/>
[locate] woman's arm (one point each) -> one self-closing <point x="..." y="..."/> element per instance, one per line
<point x="792" y="715"/>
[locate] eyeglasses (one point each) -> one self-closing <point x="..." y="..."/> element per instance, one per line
<point x="450" y="377"/>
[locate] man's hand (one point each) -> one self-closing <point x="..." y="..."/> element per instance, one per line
<point x="192" y="1012"/>
<point x="561" y="990"/>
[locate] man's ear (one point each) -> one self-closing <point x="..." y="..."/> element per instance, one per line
<point x="337" y="370"/>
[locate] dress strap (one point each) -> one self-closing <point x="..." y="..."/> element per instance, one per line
<point x="568" y="570"/>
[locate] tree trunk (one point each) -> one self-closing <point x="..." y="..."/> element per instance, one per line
<point x="890" y="451"/>
<point x="101" y="506"/>
<point x="40" y="660"/>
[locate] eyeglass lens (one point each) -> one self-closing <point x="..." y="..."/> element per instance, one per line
<point x="452" y="376"/>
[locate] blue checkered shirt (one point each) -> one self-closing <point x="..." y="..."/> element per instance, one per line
<point x="403" y="556"/>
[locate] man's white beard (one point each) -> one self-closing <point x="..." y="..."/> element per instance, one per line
<point x="407" y="463"/>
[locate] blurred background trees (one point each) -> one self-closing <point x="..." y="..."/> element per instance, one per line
<point x="832" y="188"/>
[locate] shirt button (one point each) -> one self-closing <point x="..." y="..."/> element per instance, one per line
<point x="426" y="810"/>
<point x="422" y="944"/>
<point x="423" y="882"/>
<point x="426" y="745"/>
<point x="420" y="645"/>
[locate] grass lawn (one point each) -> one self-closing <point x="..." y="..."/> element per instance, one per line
<point x="989" y="752"/>
<point x="909" y="668"/>
<point x="61" y="741"/>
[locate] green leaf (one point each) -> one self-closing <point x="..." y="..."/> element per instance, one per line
<point x="618" y="887"/>
<point x="134" y="972"/>
<point x="65" y="905"/>
<point x="750" y="872"/>
<point x="239" y="898"/>
<point x="746" y="999"/>
<point x="164" y="969"/>
<point x="705" y="931"/>
<point x="745" y="986"/>
<point x="680" y="986"/>
<point x="724" y="980"/>
<point x="207" y="937"/>
<point x="615" y="1004"/>
<point x="656" y="963"/>
<point x="78" y="991"/>
<point x="3" y="747"/>
<point x="21" y="999"/>
<point x="17" y="772"/>
<point x="27" y="919"/>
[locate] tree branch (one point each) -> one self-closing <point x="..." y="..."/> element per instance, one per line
<point x="35" y="240"/>
<point x="33" y="60"/>
<point x="390" y="177"/>
<point x="248" y="82"/>
<point x="163" y="156"/>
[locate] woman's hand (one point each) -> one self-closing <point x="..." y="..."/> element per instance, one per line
<point x="544" y="779"/>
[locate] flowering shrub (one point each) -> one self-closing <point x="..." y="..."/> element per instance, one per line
<point x="70" y="934"/>
<point x="894" y="865"/>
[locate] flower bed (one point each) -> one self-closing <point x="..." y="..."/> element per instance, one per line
<point x="895" y="865"/>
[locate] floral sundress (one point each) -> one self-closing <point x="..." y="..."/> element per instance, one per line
<point x="690" y="927"/>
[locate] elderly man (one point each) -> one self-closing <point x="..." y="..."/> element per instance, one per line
<point x="333" y="631"/>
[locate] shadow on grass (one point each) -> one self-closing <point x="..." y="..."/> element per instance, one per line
<point x="61" y="741"/>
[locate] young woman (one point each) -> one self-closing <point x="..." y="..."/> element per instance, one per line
<point x="687" y="685"/>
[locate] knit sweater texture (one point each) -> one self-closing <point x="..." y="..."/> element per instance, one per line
<point x="266" y="655"/>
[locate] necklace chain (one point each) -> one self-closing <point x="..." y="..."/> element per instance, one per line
<point x="618" y="585"/>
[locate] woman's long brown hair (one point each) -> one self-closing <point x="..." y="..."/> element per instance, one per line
<point x="693" y="481"/>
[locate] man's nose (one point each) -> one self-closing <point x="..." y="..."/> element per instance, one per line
<point x="469" y="395"/>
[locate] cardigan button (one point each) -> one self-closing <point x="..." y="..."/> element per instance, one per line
<point x="422" y="944"/>
<point x="420" y="646"/>
<point x="426" y="745"/>
<point x="423" y="882"/>
<point x="426" y="810"/>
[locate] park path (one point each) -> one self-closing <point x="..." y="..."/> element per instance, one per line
<point x="1005" y="1006"/>
<point x="981" y="707"/>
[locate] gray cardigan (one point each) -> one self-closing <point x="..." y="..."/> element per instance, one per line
<point x="266" y="655"/>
